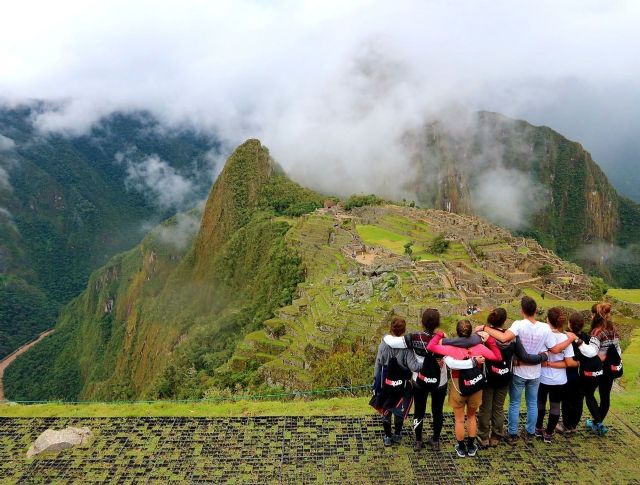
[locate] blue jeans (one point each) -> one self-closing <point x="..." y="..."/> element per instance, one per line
<point x="530" y="388"/>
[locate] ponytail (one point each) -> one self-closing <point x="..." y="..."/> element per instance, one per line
<point x="603" y="310"/>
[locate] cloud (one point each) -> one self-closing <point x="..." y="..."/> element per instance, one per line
<point x="158" y="181"/>
<point x="331" y="87"/>
<point x="179" y="231"/>
<point x="507" y="197"/>
<point x="4" y="180"/>
<point x="6" y="143"/>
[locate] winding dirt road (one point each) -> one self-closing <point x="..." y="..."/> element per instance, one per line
<point x="6" y="362"/>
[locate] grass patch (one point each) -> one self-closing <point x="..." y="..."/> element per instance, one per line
<point x="631" y="296"/>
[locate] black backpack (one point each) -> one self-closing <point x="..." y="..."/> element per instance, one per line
<point x="498" y="373"/>
<point x="472" y="380"/>
<point x="613" y="363"/>
<point x="394" y="379"/>
<point x="429" y="376"/>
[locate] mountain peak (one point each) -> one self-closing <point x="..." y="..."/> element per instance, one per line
<point x="234" y="194"/>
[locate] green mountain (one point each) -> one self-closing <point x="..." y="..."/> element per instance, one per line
<point x="565" y="200"/>
<point x="69" y="203"/>
<point x="270" y="291"/>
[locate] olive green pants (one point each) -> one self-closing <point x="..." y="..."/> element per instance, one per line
<point x="491" y="412"/>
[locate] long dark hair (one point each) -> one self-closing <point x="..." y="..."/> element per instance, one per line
<point x="603" y="317"/>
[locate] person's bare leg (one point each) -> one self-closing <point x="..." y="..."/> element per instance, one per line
<point x="459" y="426"/>
<point x="472" y="424"/>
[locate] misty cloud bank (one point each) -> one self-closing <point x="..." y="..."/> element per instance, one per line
<point x="334" y="89"/>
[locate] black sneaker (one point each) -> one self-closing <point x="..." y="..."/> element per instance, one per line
<point x="461" y="451"/>
<point x="387" y="441"/>
<point x="418" y="445"/>
<point x="472" y="449"/>
<point x="539" y="432"/>
<point x="396" y="438"/>
<point x="547" y="437"/>
<point x="434" y="444"/>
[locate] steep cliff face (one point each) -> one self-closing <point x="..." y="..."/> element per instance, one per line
<point x="462" y="163"/>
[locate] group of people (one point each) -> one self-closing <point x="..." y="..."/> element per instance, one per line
<point x="554" y="367"/>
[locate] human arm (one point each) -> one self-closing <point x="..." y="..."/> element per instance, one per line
<point x="559" y="348"/>
<point x="403" y="342"/>
<point x="378" y="365"/>
<point x="435" y="346"/>
<point x="410" y="360"/>
<point x="463" y="342"/>
<point x="524" y="357"/>
<point x="561" y="364"/>
<point x="493" y="351"/>
<point x="460" y="364"/>
<point x="499" y="335"/>
<point x="586" y="349"/>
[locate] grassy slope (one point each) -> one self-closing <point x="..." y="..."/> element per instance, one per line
<point x="632" y="296"/>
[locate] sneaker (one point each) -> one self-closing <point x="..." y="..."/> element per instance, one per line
<point x="539" y="432"/>
<point x="590" y="425"/>
<point x="546" y="437"/>
<point x="528" y="437"/>
<point x="434" y="444"/>
<point x="483" y="444"/>
<point x="461" y="450"/>
<point x="472" y="450"/>
<point x="495" y="441"/>
<point x="396" y="438"/>
<point x="418" y="445"/>
<point x="387" y="441"/>
<point x="601" y="429"/>
<point x="512" y="439"/>
<point x="561" y="428"/>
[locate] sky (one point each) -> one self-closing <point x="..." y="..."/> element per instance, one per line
<point x="331" y="86"/>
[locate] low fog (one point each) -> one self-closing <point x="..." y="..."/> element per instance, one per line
<point x="333" y="88"/>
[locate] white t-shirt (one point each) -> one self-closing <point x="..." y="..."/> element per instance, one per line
<point x="556" y="377"/>
<point x="535" y="337"/>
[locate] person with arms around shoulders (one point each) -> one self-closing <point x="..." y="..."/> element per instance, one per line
<point x="430" y="380"/>
<point x="606" y="340"/>
<point x="392" y="387"/>
<point x="584" y="378"/>
<point x="535" y="337"/>
<point x="499" y="372"/>
<point x="465" y="399"/>
<point x="553" y="377"/>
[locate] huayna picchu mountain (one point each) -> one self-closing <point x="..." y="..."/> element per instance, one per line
<point x="574" y="209"/>
<point x="279" y="287"/>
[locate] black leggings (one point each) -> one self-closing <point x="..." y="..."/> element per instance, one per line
<point x="386" y="424"/>
<point x="604" y="385"/>
<point x="555" y="395"/>
<point x="437" y="402"/>
<point x="572" y="402"/>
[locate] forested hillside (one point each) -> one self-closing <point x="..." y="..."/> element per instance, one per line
<point x="475" y="165"/>
<point x="68" y="203"/>
<point x="117" y="339"/>
<point x="268" y="292"/>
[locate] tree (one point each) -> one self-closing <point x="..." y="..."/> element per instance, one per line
<point x="544" y="270"/>
<point x="439" y="245"/>
<point x="408" y="249"/>
<point x="598" y="288"/>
